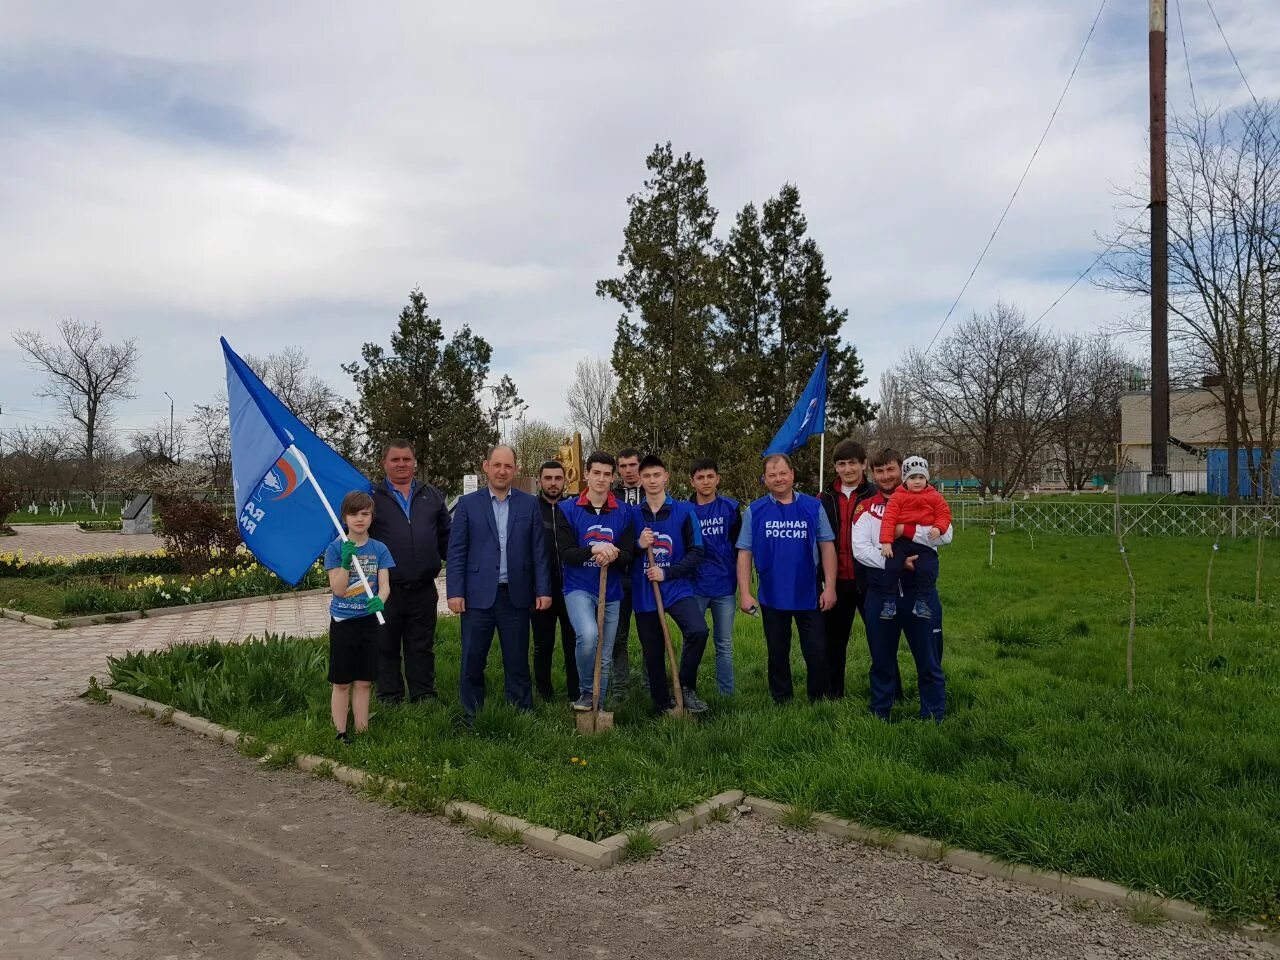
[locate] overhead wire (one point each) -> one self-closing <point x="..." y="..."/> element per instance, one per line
<point x="1023" y="178"/>
<point x="1234" y="59"/>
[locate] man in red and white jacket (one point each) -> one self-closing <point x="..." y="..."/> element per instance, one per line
<point x="924" y="636"/>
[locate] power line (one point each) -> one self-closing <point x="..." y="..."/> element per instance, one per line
<point x="1186" y="58"/>
<point x="1089" y="269"/>
<point x="1021" y="179"/>
<point x="1232" y="52"/>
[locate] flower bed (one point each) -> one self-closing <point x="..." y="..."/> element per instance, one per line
<point x="55" y="586"/>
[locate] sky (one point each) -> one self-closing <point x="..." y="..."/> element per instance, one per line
<point x="285" y="175"/>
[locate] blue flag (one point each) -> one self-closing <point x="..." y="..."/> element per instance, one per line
<point x="808" y="417"/>
<point x="286" y="478"/>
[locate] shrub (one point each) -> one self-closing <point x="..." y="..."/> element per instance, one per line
<point x="8" y="500"/>
<point x="195" y="531"/>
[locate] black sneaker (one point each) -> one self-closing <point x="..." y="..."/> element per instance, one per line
<point x="342" y="737"/>
<point x="583" y="703"/>
<point x="692" y="702"/>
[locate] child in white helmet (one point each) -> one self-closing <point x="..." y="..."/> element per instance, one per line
<point x="918" y="505"/>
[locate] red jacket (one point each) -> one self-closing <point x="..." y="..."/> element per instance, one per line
<point x="926" y="508"/>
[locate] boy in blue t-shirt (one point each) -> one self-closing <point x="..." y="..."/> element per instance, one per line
<point x="353" y="628"/>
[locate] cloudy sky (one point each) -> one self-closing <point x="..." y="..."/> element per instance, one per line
<point x="180" y="171"/>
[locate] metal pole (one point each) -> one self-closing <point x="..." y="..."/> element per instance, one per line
<point x="171" y="456"/>
<point x="1157" y="58"/>
<point x="822" y="459"/>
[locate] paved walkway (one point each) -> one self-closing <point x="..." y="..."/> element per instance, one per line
<point x="68" y="540"/>
<point x="126" y="839"/>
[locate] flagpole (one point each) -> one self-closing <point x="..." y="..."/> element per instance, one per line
<point x="822" y="458"/>
<point x="337" y="524"/>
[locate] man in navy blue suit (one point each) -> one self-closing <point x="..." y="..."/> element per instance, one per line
<point x="497" y="571"/>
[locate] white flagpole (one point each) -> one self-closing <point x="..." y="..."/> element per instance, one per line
<point x="822" y="459"/>
<point x="337" y="524"/>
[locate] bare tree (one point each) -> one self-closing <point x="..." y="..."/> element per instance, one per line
<point x="288" y="375"/>
<point x="895" y="424"/>
<point x="85" y="375"/>
<point x="1090" y="375"/>
<point x="985" y="393"/>
<point x="36" y="458"/>
<point x="160" y="441"/>
<point x="590" y="398"/>
<point x="211" y="434"/>
<point x="535" y="441"/>
<point x="1224" y="251"/>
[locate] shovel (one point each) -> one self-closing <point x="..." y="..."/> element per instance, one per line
<point x="597" y="720"/>
<point x="678" y="710"/>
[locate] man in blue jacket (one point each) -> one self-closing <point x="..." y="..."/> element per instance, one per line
<point x="786" y="534"/>
<point x="497" y="572"/>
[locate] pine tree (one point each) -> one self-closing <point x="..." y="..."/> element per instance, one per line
<point x="426" y="390"/>
<point x="668" y="292"/>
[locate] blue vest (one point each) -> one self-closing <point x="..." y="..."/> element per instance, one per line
<point x="668" y="548"/>
<point x="782" y="540"/>
<point x="718" y="572"/>
<point x="590" y="528"/>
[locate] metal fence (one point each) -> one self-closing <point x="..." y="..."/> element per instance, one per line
<point x="1100" y="518"/>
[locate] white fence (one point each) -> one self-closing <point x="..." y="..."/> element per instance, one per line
<point x="1099" y="518"/>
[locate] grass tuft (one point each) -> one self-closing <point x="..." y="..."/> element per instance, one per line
<point x="323" y="770"/>
<point x="640" y="845"/>
<point x="798" y="817"/>
<point x="279" y="758"/>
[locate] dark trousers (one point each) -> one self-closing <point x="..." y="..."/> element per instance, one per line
<point x="777" y="638"/>
<point x="512" y="624"/>
<point x="914" y="585"/>
<point x="924" y="638"/>
<point x="544" y="644"/>
<point x="411" y="630"/>
<point x="837" y="625"/>
<point x="693" y="629"/>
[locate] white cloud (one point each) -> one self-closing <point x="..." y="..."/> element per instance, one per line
<point x="486" y="154"/>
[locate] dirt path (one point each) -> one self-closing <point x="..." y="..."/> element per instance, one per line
<point x="123" y="838"/>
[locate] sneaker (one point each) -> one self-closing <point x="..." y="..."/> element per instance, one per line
<point x="583" y="703"/>
<point x="692" y="702"/>
<point x="342" y="737"/>
<point x="922" y="610"/>
<point x="889" y="611"/>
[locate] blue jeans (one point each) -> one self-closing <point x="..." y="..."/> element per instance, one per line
<point x="582" y="614"/>
<point x="723" y="610"/>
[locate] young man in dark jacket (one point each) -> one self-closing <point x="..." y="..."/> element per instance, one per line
<point x="627" y="489"/>
<point x="550" y="492"/>
<point x="849" y="488"/>
<point x="412" y="520"/>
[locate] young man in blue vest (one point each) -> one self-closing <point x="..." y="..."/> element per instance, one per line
<point x="786" y="534"/>
<point x="671" y="529"/>
<point x="594" y="531"/>
<point x="720" y="521"/>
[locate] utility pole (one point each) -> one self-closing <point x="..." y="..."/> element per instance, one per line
<point x="171" y="456"/>
<point x="1158" y="482"/>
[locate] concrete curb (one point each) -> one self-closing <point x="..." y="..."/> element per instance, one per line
<point x="124" y="616"/>
<point x="610" y="851"/>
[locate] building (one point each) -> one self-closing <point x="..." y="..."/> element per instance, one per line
<point x="1197" y="425"/>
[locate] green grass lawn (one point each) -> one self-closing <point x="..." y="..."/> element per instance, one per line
<point x="1044" y="759"/>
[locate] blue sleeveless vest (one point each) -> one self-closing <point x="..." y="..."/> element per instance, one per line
<point x="668" y="548"/>
<point x="783" y="538"/>
<point x="590" y="528"/>
<point x="718" y="572"/>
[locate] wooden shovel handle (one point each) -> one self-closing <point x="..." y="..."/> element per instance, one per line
<point x="666" y="640"/>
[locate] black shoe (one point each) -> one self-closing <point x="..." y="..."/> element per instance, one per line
<point x="431" y="697"/>
<point x="342" y="737"/>
<point x="391" y="701"/>
<point x="692" y="702"/>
